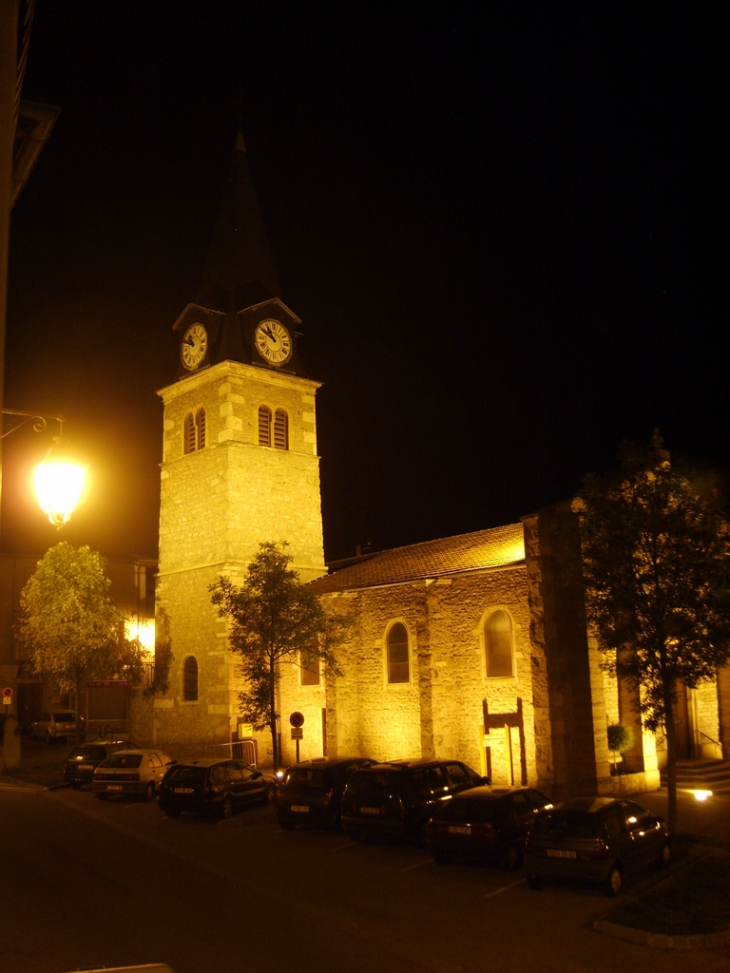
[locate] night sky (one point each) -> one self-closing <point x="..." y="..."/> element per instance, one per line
<point x="501" y="224"/>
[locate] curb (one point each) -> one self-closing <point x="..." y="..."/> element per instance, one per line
<point x="710" y="940"/>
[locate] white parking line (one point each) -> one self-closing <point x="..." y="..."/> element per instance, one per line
<point x="429" y="861"/>
<point x="504" y="888"/>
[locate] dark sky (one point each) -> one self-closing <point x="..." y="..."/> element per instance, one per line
<point x="503" y="226"/>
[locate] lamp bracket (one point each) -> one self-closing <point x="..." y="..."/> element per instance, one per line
<point x="39" y="421"/>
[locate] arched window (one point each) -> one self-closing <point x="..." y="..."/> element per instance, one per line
<point x="264" y="425"/>
<point x="309" y="669"/>
<point x="281" y="430"/>
<point x="200" y="427"/>
<point x="398" y="664"/>
<point x="189" y="434"/>
<point x="498" y="644"/>
<point x="190" y="679"/>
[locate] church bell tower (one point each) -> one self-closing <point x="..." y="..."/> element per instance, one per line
<point x="240" y="465"/>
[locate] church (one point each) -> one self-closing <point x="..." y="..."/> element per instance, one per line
<point x="472" y="647"/>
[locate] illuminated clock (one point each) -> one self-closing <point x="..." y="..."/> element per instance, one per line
<point x="194" y="346"/>
<point x="273" y="342"/>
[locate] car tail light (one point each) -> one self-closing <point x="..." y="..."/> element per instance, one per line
<point x="483" y="829"/>
<point x="600" y="851"/>
<point x="65" y="767"/>
<point x="328" y="795"/>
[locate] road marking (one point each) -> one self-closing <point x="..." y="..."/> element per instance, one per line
<point x="504" y="888"/>
<point x="429" y="861"/>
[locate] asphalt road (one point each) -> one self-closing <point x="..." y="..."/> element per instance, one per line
<point x="86" y="884"/>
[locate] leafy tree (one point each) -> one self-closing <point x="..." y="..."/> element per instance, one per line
<point x="655" y="563"/>
<point x="275" y="620"/>
<point x="71" y="627"/>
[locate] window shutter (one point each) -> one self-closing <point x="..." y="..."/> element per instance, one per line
<point x="281" y="430"/>
<point x="264" y="425"/>
<point x="200" y="423"/>
<point x="189" y="434"/>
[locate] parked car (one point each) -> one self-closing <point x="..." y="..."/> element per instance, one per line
<point x="131" y="772"/>
<point x="208" y="786"/>
<point x="487" y="824"/>
<point x="54" y="724"/>
<point x="396" y="798"/>
<point x="595" y="840"/>
<point x="310" y="793"/>
<point x="83" y="761"/>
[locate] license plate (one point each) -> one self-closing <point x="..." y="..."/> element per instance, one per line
<point x="458" y="829"/>
<point x="114" y="787"/>
<point x="370" y="810"/>
<point x="86" y="766"/>
<point x="300" y="807"/>
<point x="558" y="853"/>
<point x="184" y="790"/>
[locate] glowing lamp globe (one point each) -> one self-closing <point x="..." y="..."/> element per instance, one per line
<point x="59" y="483"/>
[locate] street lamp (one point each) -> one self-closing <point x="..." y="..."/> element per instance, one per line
<point x="60" y="478"/>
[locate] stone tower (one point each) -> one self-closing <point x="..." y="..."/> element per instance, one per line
<point x="240" y="465"/>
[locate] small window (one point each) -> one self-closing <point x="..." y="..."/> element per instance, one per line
<point x="398" y="666"/>
<point x="264" y="425"/>
<point x="189" y="434"/>
<point x="190" y="679"/>
<point x="498" y="644"/>
<point x="309" y="669"/>
<point x="281" y="430"/>
<point x="200" y="427"/>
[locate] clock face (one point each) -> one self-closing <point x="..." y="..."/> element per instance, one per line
<point x="273" y="342"/>
<point x="194" y="346"/>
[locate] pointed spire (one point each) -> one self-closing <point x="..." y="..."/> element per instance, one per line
<point x="239" y="271"/>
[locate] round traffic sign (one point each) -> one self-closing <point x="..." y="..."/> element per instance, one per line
<point x="8" y="692"/>
<point x="297" y="719"/>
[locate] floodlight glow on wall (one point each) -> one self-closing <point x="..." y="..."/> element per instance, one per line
<point x="60" y="478"/>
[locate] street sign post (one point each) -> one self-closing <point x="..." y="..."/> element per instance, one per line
<point x="297" y="722"/>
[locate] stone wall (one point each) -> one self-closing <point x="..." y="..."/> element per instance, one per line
<point x="440" y="711"/>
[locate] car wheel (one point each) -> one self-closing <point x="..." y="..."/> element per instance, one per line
<point x="101" y="797"/>
<point x="665" y="855"/>
<point x="76" y="784"/>
<point x="614" y="881"/>
<point x="172" y="812"/>
<point x="150" y="791"/>
<point x="442" y="859"/>
<point x="512" y="858"/>
<point x="270" y="794"/>
<point x="535" y="882"/>
<point x="227" y="807"/>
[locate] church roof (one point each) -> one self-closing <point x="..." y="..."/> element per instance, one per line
<point x="239" y="271"/>
<point x="498" y="547"/>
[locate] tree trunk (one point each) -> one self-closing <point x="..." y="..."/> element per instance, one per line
<point x="272" y="717"/>
<point x="671" y="731"/>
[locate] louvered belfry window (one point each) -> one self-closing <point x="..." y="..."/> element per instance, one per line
<point x="281" y="430"/>
<point x="398" y="665"/>
<point x="264" y="425"/>
<point x="189" y="434"/>
<point x="200" y="427"/>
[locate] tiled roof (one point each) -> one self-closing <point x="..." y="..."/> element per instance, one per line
<point x="493" y="548"/>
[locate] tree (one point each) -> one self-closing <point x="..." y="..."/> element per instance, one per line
<point x="655" y="545"/>
<point x="275" y="620"/>
<point x="70" y="625"/>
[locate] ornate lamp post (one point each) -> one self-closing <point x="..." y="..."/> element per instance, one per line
<point x="59" y="478"/>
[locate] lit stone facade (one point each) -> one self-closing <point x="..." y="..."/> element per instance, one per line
<point x="218" y="503"/>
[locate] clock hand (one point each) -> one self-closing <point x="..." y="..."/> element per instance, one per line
<point x="189" y="340"/>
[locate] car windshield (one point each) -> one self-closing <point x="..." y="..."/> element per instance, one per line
<point x="128" y="760"/>
<point x="64" y="717"/>
<point x="88" y="753"/>
<point x="566" y="824"/>
<point x="470" y="810"/>
<point x="300" y="777"/>
<point x="375" y="784"/>
<point x="186" y="775"/>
